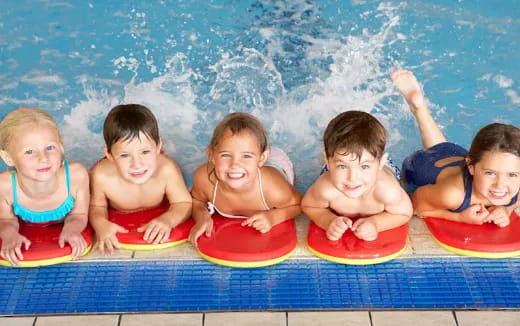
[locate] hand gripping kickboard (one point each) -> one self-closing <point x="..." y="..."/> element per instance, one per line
<point x="351" y="250"/>
<point x="44" y="249"/>
<point x="133" y="220"/>
<point x="232" y="244"/>
<point x="484" y="241"/>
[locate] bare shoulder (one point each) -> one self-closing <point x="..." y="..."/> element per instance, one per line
<point x="5" y="184"/>
<point x="167" y="166"/>
<point x="450" y="192"/>
<point x="77" y="170"/>
<point x="102" y="174"/>
<point x="445" y="195"/>
<point x="202" y="185"/>
<point x="78" y="176"/>
<point x="324" y="188"/>
<point x="387" y="188"/>
<point x="272" y="175"/>
<point x="201" y="175"/>
<point x="277" y="190"/>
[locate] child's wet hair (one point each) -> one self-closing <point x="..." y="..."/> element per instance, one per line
<point x="236" y="123"/>
<point x="127" y="121"/>
<point x="352" y="132"/>
<point x="496" y="137"/>
<point x="23" y="117"/>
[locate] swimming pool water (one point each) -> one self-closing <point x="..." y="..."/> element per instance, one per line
<point x="294" y="64"/>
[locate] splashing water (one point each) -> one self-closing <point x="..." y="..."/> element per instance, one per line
<point x="293" y="64"/>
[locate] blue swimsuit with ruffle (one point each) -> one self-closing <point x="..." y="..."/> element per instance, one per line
<point x="53" y="216"/>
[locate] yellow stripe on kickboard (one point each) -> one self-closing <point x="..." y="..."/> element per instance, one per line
<point x="351" y="261"/>
<point x="246" y="264"/>
<point x="44" y="262"/>
<point x="150" y="246"/>
<point x="478" y="254"/>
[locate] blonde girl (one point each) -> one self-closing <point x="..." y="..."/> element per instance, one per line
<point x="40" y="187"/>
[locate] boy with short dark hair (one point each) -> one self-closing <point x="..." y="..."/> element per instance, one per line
<point x="135" y="175"/>
<point x="358" y="190"/>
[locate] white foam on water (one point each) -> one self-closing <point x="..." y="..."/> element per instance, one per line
<point x="169" y="96"/>
<point x="296" y="119"/>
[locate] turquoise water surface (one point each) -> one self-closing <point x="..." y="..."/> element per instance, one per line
<point x="294" y="64"/>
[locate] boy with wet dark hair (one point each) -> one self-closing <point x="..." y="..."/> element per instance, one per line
<point x="135" y="175"/>
<point x="358" y="190"/>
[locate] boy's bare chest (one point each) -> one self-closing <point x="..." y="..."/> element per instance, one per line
<point x="357" y="207"/>
<point x="133" y="197"/>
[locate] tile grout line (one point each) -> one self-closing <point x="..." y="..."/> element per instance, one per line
<point x="455" y="317"/>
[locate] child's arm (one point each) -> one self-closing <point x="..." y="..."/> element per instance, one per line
<point x="76" y="220"/>
<point x="435" y="200"/>
<point x="12" y="241"/>
<point x="98" y="213"/>
<point x="397" y="211"/>
<point x="203" y="221"/>
<point x="317" y="207"/>
<point x="283" y="199"/>
<point x="158" y="230"/>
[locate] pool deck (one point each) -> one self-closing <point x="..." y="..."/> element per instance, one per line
<point x="420" y="245"/>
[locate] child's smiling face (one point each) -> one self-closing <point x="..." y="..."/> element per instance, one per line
<point x="496" y="177"/>
<point x="237" y="158"/>
<point x="353" y="175"/>
<point x="36" y="152"/>
<point x="136" y="158"/>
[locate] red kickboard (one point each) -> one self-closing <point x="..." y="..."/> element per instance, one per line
<point x="485" y="238"/>
<point x="233" y="243"/>
<point x="352" y="250"/>
<point x="44" y="245"/>
<point x="134" y="220"/>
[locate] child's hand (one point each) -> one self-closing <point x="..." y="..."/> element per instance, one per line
<point x="365" y="229"/>
<point x="259" y="221"/>
<point x="12" y="247"/>
<point x="157" y="230"/>
<point x="337" y="227"/>
<point x="76" y="241"/>
<point x="475" y="214"/>
<point x="107" y="237"/>
<point x="498" y="215"/>
<point x="205" y="226"/>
